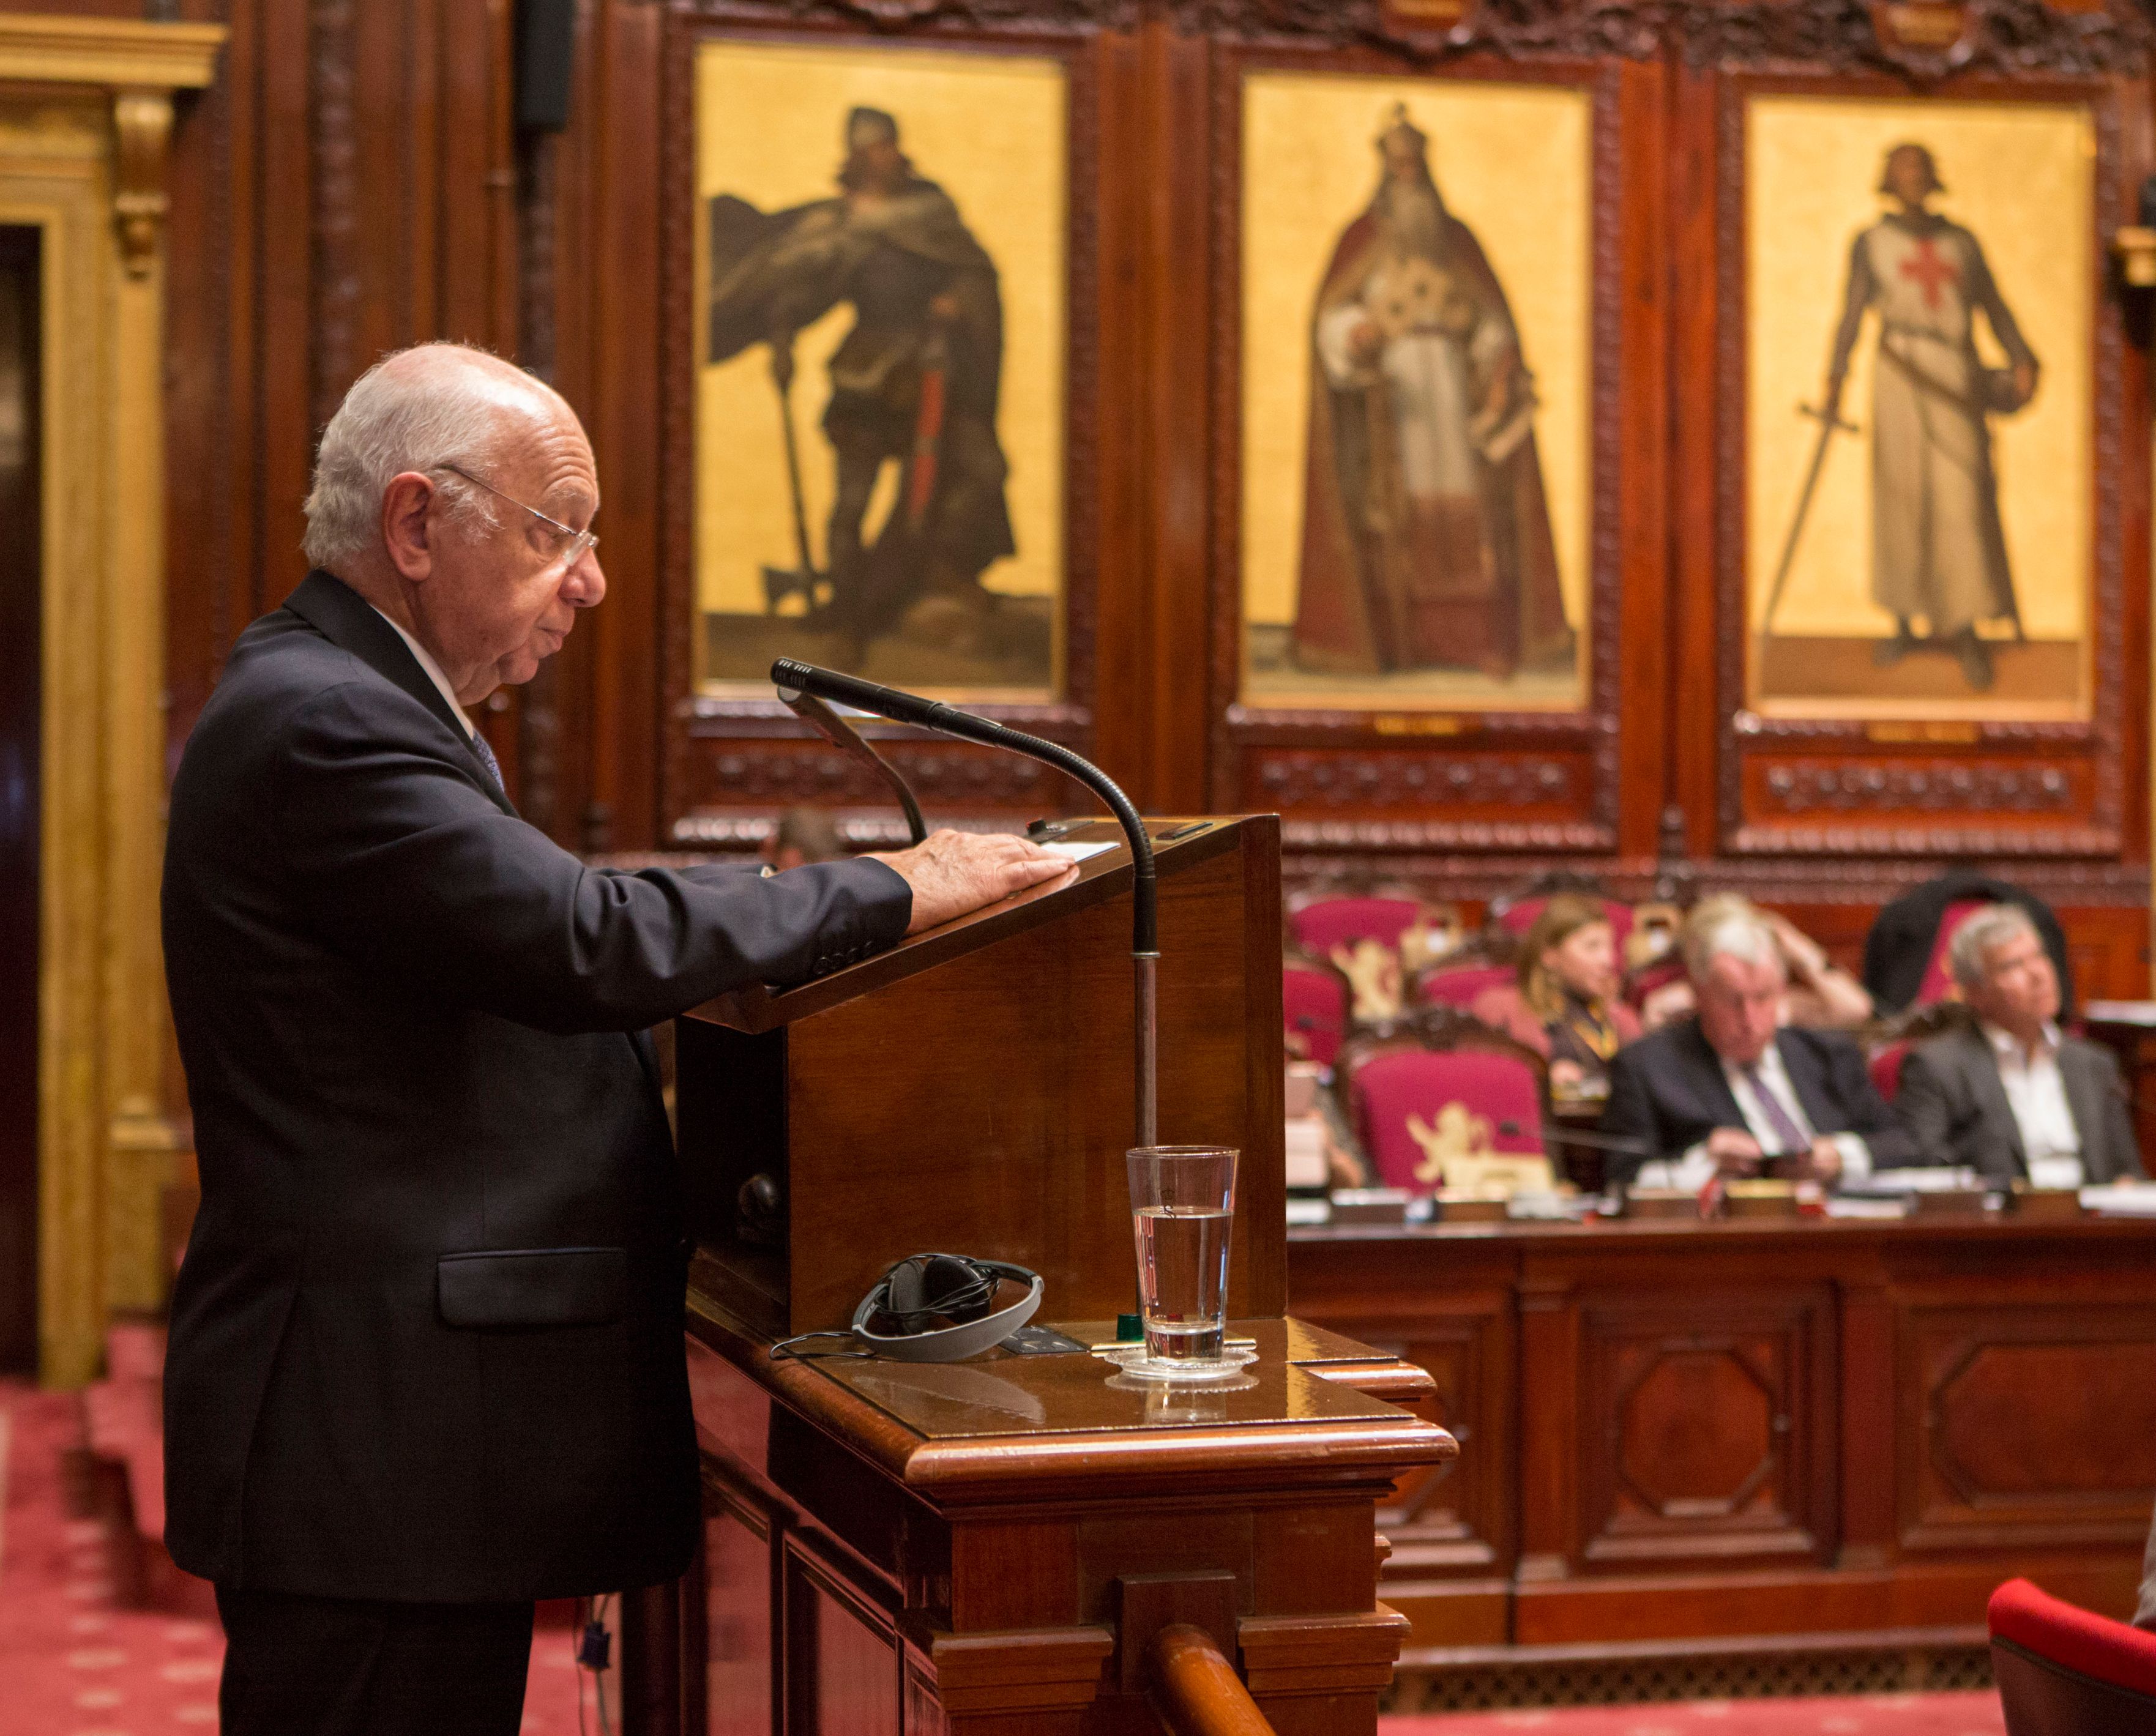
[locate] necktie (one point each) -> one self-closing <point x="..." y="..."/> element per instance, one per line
<point x="487" y="759"/>
<point x="1787" y="1133"/>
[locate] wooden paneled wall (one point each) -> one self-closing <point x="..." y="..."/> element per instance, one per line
<point x="355" y="182"/>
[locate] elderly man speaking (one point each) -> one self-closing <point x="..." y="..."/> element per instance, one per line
<point x="426" y="1361"/>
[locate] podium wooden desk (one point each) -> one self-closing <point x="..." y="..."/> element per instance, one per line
<point x="988" y="1548"/>
<point x="1785" y="1441"/>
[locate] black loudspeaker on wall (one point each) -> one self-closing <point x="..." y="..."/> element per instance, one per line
<point x="546" y="60"/>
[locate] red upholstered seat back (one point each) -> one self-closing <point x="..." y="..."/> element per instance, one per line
<point x="1457" y="985"/>
<point x="1938" y="977"/>
<point x="1517" y="919"/>
<point x="2068" y="1672"/>
<point x="1388" y="1090"/>
<point x="1329" y="922"/>
<point x="1315" y="1005"/>
<point x="1886" y="1069"/>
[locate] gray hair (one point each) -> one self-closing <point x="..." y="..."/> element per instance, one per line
<point x="408" y="411"/>
<point x="1969" y="953"/>
<point x="1738" y="935"/>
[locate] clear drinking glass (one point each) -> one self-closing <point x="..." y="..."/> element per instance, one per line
<point x="1183" y="1207"/>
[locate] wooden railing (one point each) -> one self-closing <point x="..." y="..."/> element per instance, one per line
<point x="1195" y="1689"/>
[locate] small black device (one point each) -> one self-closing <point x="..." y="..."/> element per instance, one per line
<point x="546" y="63"/>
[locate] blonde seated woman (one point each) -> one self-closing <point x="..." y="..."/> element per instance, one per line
<point x="1820" y="995"/>
<point x="1565" y="1004"/>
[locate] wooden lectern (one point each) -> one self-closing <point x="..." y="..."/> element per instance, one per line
<point x="995" y="1546"/>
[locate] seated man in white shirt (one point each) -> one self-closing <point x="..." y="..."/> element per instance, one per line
<point x="2011" y="1096"/>
<point x="1731" y="1088"/>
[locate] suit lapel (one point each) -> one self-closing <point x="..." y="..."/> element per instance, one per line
<point x="1992" y="1102"/>
<point x="1800" y="1063"/>
<point x="2084" y="1098"/>
<point x="1708" y="1079"/>
<point x="346" y="619"/>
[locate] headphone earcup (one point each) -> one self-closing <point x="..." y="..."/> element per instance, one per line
<point x="946" y="1281"/>
<point x="904" y="1289"/>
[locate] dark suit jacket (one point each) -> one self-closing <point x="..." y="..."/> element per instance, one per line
<point x="1952" y="1098"/>
<point x="1668" y="1092"/>
<point x="426" y="1342"/>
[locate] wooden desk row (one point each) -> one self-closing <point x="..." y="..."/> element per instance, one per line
<point x="1760" y="1430"/>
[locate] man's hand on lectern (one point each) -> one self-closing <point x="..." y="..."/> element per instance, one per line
<point x="954" y="872"/>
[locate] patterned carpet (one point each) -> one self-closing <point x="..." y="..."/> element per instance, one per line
<point x="76" y="1662"/>
<point x="1972" y="1714"/>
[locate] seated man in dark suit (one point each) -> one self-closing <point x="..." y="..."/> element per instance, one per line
<point x="1731" y="1088"/>
<point x="2010" y="1096"/>
<point x="426" y="1356"/>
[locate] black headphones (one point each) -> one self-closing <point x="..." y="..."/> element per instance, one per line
<point x="924" y="1288"/>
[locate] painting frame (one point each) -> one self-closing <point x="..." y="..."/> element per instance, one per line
<point x="1542" y="780"/>
<point x="1883" y="780"/>
<point x="728" y="760"/>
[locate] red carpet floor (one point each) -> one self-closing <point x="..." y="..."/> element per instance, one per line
<point x="74" y="1662"/>
<point x="1880" y="1715"/>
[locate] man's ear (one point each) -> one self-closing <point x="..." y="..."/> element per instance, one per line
<point x="407" y="530"/>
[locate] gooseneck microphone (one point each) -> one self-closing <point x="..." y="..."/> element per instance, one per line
<point x="793" y="679"/>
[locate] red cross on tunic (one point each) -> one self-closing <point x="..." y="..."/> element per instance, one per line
<point x="1930" y="271"/>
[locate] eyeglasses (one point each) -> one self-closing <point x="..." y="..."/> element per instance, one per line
<point x="575" y="544"/>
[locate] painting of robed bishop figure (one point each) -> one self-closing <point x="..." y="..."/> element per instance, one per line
<point x="878" y="309"/>
<point x="1416" y="290"/>
<point x="1950" y="375"/>
<point x="1426" y="535"/>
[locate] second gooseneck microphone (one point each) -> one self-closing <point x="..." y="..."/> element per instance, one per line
<point x="792" y="678"/>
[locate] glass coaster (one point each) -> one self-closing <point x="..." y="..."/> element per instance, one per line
<point x="1133" y="1361"/>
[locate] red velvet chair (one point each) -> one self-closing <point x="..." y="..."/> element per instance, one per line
<point x="1913" y="1027"/>
<point x="1938" y="976"/>
<point x="1323" y="923"/>
<point x="1314" y="1001"/>
<point x="1458" y="986"/>
<point x="1515" y="919"/>
<point x="1490" y="1079"/>
<point x="2068" y="1672"/>
<point x="1885" y="1066"/>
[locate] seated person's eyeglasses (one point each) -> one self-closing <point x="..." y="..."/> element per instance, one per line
<point x="571" y="546"/>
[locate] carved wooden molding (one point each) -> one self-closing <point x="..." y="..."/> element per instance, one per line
<point x="1012" y="1670"/>
<point x="908" y="15"/>
<point x="108" y="53"/>
<point x="1434" y="29"/>
<point x="1921" y="40"/>
<point x="331" y="28"/>
<point x="1845" y="786"/>
<point x="1304" y="779"/>
<point x="140" y="66"/>
<point x="1856" y="879"/>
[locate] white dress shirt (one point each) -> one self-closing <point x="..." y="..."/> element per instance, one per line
<point x="434" y="674"/>
<point x="1696" y="1167"/>
<point x="2037" y="1092"/>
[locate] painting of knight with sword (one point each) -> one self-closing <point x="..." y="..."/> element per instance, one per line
<point x="1938" y="548"/>
<point x="914" y="384"/>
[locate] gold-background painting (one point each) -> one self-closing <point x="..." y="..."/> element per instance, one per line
<point x="2020" y="178"/>
<point x="991" y="131"/>
<point x="1514" y="162"/>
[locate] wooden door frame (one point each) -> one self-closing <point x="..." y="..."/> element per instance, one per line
<point x="85" y="123"/>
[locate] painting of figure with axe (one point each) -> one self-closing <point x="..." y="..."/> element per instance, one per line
<point x="872" y="317"/>
<point x="1932" y="385"/>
